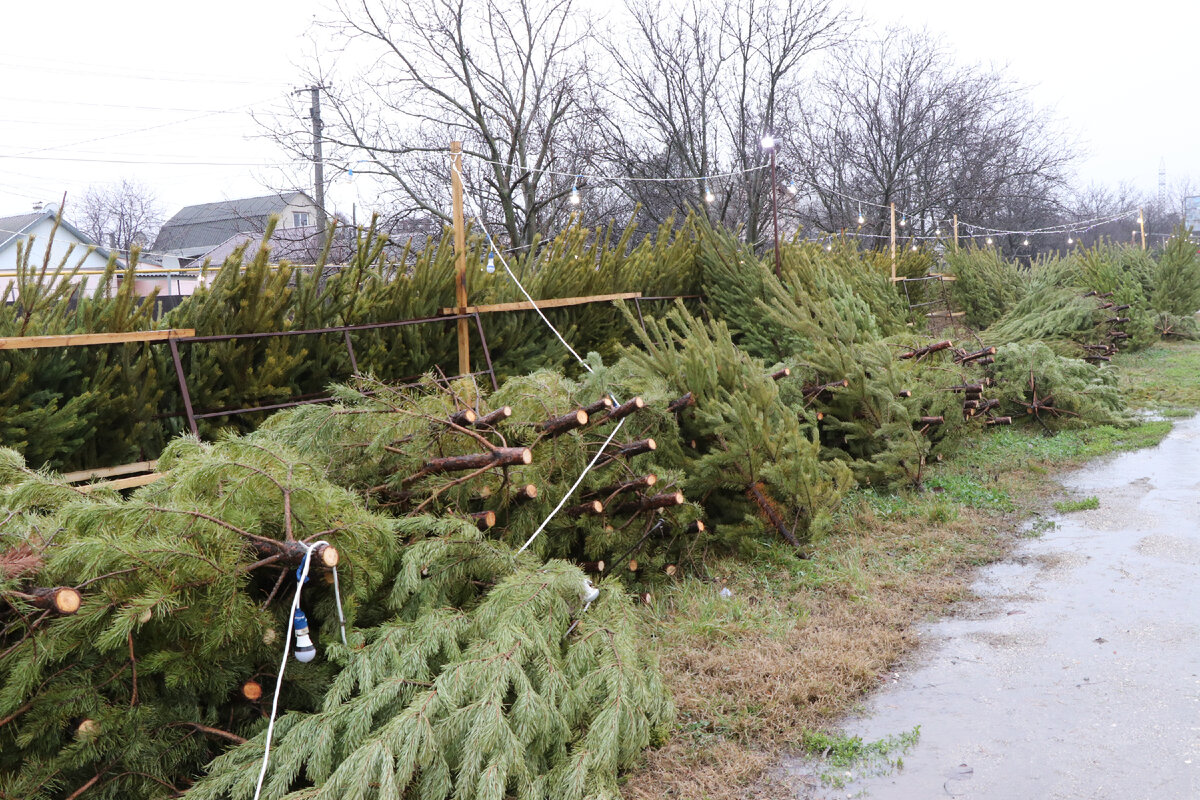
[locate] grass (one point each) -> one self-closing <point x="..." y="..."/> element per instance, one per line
<point x="841" y="752"/>
<point x="1086" y="504"/>
<point x="798" y="642"/>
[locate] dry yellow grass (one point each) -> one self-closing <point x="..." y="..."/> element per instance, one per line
<point x="798" y="642"/>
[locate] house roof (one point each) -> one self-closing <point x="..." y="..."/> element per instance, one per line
<point x="285" y="244"/>
<point x="12" y="228"/>
<point x="209" y="224"/>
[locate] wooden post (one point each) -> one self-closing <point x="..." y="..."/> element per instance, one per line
<point x="460" y="257"/>
<point x="1142" y="225"/>
<point x="956" y="233"/>
<point x="893" y="242"/>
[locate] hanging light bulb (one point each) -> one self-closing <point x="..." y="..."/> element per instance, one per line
<point x="791" y="187"/>
<point x="491" y="262"/>
<point x="575" y="192"/>
<point x="1026" y="242"/>
<point x="937" y="231"/>
<point x="861" y="220"/>
<point x="903" y="221"/>
<point x="305" y="649"/>
<point x="828" y="246"/>
<point x="1070" y="241"/>
<point x="768" y="142"/>
<point x="708" y="195"/>
<point x="914" y="247"/>
<point x="989" y="240"/>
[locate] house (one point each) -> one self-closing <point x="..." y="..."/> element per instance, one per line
<point x="32" y="230"/>
<point x="207" y="230"/>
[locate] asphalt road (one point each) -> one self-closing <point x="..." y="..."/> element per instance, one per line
<point x="1076" y="674"/>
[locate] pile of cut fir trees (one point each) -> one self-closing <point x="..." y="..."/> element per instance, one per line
<point x="491" y="649"/>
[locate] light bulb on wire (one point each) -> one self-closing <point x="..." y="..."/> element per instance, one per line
<point x="937" y="231"/>
<point x="768" y="142"/>
<point x="861" y="219"/>
<point x="1026" y="242"/>
<point x="989" y="240"/>
<point x="791" y="187"/>
<point x="1070" y="241"/>
<point x="903" y="221"/>
<point x="575" y="193"/>
<point x="708" y="194"/>
<point x="491" y="262"/>
<point x="914" y="247"/>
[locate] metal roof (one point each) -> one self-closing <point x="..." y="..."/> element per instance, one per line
<point x="210" y="224"/>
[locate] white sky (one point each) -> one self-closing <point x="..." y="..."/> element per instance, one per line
<point x="91" y="86"/>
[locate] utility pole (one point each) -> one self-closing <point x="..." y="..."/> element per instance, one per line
<point x="314" y="113"/>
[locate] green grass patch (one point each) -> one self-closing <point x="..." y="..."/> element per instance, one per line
<point x="1166" y="375"/>
<point x="1086" y="504"/>
<point x="971" y="492"/>
<point x="843" y="752"/>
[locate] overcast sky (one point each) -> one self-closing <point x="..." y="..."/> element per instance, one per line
<point x="162" y="92"/>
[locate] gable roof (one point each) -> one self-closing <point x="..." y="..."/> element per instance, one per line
<point x="12" y="228"/>
<point x="208" y="224"/>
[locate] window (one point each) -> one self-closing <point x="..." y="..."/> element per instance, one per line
<point x="299" y="219"/>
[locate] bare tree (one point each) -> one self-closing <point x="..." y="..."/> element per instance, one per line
<point x="120" y="216"/>
<point x="702" y="84"/>
<point x="898" y="122"/>
<point x="506" y="77"/>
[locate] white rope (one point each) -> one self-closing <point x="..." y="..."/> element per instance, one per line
<point x="287" y="646"/>
<point x="504" y="262"/>
<point x="574" y="486"/>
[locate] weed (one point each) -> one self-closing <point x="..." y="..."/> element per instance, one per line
<point x="842" y="752"/>
<point x="1038" y="527"/>
<point x="1086" y="504"/>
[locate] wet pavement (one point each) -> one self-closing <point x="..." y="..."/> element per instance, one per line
<point x="1076" y="674"/>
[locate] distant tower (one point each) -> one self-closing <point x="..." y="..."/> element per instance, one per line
<point x="1162" y="185"/>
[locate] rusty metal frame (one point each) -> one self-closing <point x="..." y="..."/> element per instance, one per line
<point x="345" y="330"/>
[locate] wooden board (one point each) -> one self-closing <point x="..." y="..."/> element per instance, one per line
<point x="946" y="314"/>
<point x="80" y="339"/>
<point x="123" y="483"/>
<point x="109" y="472"/>
<point x="556" y="302"/>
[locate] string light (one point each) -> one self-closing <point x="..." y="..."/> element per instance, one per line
<point x="1070" y="241"/>
<point x="491" y="262"/>
<point x="903" y="221"/>
<point x="708" y="195"/>
<point x="914" y="247"/>
<point x="791" y="187"/>
<point x="1026" y="242"/>
<point x="861" y="219"/>
<point x="937" y="231"/>
<point x="768" y="142"/>
<point x="575" y="192"/>
<point x="989" y="240"/>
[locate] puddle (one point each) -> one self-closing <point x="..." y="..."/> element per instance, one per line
<point x="1076" y="673"/>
